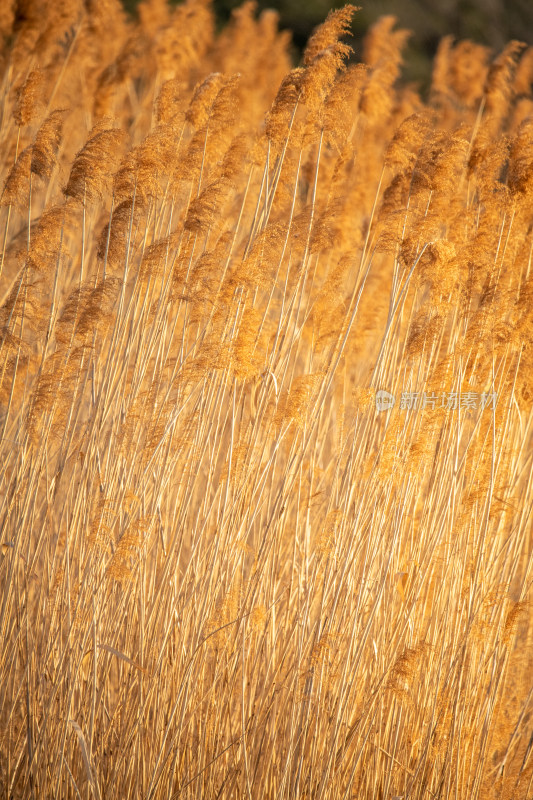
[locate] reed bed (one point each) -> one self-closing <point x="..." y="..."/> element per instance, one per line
<point x="225" y="572"/>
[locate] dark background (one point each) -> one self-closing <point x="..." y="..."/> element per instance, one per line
<point x="490" y="22"/>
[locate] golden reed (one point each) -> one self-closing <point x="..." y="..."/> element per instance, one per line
<point x="226" y="572"/>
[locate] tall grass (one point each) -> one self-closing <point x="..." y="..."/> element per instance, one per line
<point x="224" y="572"/>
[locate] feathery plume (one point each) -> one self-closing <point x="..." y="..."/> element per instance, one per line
<point x="29" y="98"/>
<point x="93" y="164"/>
<point x="327" y="34"/>
<point x="17" y="185"/>
<point x="47" y="143"/>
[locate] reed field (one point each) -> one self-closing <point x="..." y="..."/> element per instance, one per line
<point x="266" y="411"/>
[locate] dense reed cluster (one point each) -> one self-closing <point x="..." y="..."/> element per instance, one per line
<point x="225" y="572"/>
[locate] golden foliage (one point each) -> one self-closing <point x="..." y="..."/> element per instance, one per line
<point x="265" y="409"/>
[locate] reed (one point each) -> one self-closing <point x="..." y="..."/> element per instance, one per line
<point x="225" y="572"/>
